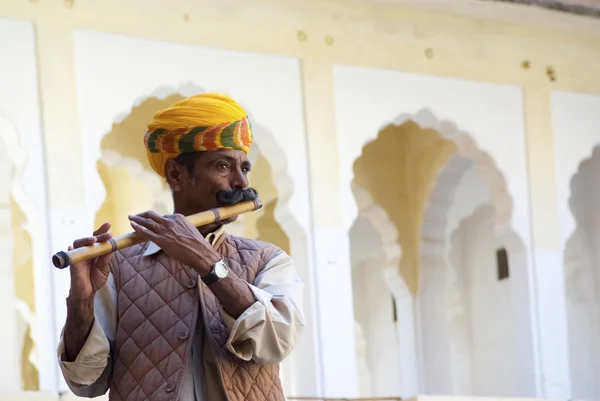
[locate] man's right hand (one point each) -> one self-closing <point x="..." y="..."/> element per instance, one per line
<point x="90" y="275"/>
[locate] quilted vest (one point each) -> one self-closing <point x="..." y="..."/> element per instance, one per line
<point x="157" y="311"/>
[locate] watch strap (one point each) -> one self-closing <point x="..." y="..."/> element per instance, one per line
<point x="210" y="279"/>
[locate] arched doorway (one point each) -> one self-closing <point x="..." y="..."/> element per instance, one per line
<point x="472" y="256"/>
<point x="17" y="271"/>
<point x="374" y="257"/>
<point x="394" y="173"/>
<point x="423" y="174"/>
<point x="582" y="280"/>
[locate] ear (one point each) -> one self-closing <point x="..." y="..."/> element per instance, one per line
<point x="175" y="174"/>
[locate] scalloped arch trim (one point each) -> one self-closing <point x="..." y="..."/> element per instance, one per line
<point x="18" y="158"/>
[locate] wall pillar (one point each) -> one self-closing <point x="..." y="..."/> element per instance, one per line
<point x="547" y="282"/>
<point x="407" y="344"/>
<point x="332" y="272"/>
<point x="62" y="145"/>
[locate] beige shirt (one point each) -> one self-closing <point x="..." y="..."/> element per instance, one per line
<point x="275" y="318"/>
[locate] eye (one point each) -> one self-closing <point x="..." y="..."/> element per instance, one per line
<point x="223" y="166"/>
<point x="246" y="170"/>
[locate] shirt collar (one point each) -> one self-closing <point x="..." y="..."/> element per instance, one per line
<point x="212" y="238"/>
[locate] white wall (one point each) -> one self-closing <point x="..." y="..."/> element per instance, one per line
<point x="495" y="361"/>
<point x="115" y="73"/>
<point x="20" y="120"/>
<point x="468" y="318"/>
<point x="443" y="352"/>
<point x="577" y="114"/>
<point x="368" y="99"/>
<point x="434" y="329"/>
<point x="573" y="114"/>
<point x="472" y="192"/>
<point x="583" y="281"/>
<point x="379" y="330"/>
<point x="10" y="379"/>
<point x="373" y="310"/>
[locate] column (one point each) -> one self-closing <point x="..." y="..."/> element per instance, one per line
<point x="332" y="272"/>
<point x="548" y="284"/>
<point x="68" y="218"/>
<point x="407" y="344"/>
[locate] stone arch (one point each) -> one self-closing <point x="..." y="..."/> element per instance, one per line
<point x="403" y="199"/>
<point x="582" y="280"/>
<point x="362" y="359"/>
<point x="458" y="312"/>
<point x="441" y="154"/>
<point x="124" y="136"/>
<point x="123" y="164"/>
<point x="389" y="236"/>
<point x="277" y="206"/>
<point x="436" y="268"/>
<point x="399" y="193"/>
<point x="390" y="251"/>
<point x="265" y="151"/>
<point x="20" y="226"/>
<point x="384" y="369"/>
<point x="163" y="202"/>
<point x="434" y="229"/>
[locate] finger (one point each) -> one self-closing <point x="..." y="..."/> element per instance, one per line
<point x="103" y="229"/>
<point x="144" y="222"/>
<point x="149" y="235"/>
<point x="152" y="215"/>
<point x="180" y="218"/>
<point x="104" y="237"/>
<point x="78" y="243"/>
<point x="103" y="263"/>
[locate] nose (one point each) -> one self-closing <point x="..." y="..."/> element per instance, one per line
<point x="239" y="180"/>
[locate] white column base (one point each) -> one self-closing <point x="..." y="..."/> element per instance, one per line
<point x="335" y="313"/>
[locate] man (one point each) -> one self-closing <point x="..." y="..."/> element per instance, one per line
<point x="190" y="314"/>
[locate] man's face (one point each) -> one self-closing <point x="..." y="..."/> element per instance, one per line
<point x="213" y="171"/>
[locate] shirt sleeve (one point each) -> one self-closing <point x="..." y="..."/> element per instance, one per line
<point x="89" y="374"/>
<point x="267" y="331"/>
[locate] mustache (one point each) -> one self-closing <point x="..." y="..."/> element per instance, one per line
<point x="231" y="197"/>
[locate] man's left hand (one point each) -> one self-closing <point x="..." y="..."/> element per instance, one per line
<point x="178" y="238"/>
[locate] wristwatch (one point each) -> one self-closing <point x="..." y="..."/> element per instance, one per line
<point x="218" y="272"/>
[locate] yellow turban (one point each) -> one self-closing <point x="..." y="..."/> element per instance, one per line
<point x="208" y="121"/>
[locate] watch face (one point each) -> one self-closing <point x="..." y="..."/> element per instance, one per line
<point x="221" y="269"/>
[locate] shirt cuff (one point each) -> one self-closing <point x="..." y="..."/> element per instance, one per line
<point x="242" y="328"/>
<point x="91" y="360"/>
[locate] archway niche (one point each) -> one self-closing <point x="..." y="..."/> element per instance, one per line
<point x="374" y="256"/>
<point x="131" y="184"/>
<point x="473" y="296"/>
<point x="413" y="171"/>
<point x="582" y="278"/>
<point x="18" y="293"/>
<point x="132" y="187"/>
<point x="392" y="178"/>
